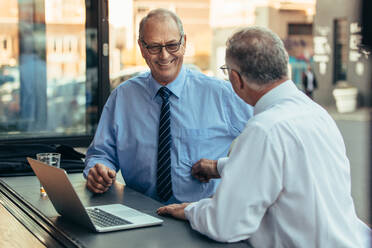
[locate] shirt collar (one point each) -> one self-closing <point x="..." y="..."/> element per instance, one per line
<point x="281" y="91"/>
<point x="175" y="86"/>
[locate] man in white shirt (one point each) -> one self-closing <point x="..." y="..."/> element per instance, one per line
<point x="286" y="182"/>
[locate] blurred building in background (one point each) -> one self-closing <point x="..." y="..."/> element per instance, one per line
<point x="8" y="36"/>
<point x="291" y="20"/>
<point x="339" y="56"/>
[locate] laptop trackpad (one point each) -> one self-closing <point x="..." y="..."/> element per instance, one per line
<point x="121" y="210"/>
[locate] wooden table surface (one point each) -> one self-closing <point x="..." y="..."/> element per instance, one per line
<point x="13" y="233"/>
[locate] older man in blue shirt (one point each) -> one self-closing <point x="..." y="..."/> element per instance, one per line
<point x="205" y="116"/>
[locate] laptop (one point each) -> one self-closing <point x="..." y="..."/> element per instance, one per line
<point x="103" y="218"/>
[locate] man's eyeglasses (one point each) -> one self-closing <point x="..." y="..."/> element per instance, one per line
<point x="225" y="70"/>
<point x="155" y="49"/>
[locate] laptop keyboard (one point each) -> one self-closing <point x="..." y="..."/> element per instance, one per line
<point x="104" y="219"/>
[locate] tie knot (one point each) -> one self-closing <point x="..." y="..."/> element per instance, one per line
<point x="164" y="93"/>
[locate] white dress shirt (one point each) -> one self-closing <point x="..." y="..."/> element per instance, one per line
<point x="286" y="182"/>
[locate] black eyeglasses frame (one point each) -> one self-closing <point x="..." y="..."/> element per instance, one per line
<point x="160" y="47"/>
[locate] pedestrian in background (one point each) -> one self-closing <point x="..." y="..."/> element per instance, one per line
<point x="309" y="81"/>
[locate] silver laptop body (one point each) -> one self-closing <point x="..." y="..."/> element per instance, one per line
<point x="67" y="203"/>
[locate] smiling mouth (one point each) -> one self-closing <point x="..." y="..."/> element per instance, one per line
<point x="167" y="63"/>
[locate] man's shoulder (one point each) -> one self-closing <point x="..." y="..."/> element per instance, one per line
<point x="133" y="83"/>
<point x="297" y="111"/>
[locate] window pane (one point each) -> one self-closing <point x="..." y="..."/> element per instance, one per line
<point x="48" y="69"/>
<point x="341" y="49"/>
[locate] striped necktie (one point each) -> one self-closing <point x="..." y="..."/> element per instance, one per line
<point x="164" y="180"/>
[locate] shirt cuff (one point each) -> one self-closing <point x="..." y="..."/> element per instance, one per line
<point x="188" y="209"/>
<point x="221" y="164"/>
<point x="90" y="163"/>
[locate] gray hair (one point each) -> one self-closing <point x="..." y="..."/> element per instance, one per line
<point x="161" y="14"/>
<point x="259" y="53"/>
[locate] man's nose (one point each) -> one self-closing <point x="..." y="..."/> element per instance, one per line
<point x="164" y="53"/>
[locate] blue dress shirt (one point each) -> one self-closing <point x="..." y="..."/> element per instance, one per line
<point x="206" y="116"/>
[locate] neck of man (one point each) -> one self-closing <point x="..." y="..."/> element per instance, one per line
<point x="256" y="94"/>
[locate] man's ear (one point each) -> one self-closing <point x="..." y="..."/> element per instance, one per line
<point x="238" y="80"/>
<point x="184" y="42"/>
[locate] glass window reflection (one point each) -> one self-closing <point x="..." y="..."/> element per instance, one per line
<point x="48" y="69"/>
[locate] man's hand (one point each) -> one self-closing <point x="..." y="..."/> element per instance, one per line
<point x="100" y="178"/>
<point x="204" y="170"/>
<point x="175" y="210"/>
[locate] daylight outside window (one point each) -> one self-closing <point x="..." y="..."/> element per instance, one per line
<point x="48" y="69"/>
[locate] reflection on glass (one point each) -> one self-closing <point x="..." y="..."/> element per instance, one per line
<point x="48" y="69"/>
